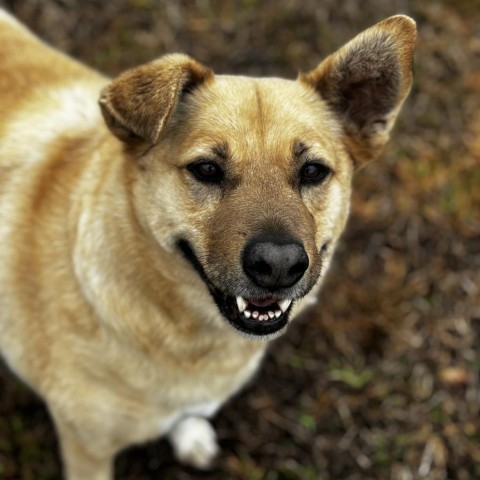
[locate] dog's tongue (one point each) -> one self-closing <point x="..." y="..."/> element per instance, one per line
<point x="264" y="302"/>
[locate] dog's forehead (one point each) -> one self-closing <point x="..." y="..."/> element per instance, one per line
<point x="268" y="103"/>
<point x="254" y="115"/>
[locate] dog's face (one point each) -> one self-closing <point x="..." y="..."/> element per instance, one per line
<point x="249" y="179"/>
<point x="259" y="185"/>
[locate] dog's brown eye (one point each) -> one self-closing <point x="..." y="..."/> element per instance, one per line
<point x="314" y="173"/>
<point x="205" y="171"/>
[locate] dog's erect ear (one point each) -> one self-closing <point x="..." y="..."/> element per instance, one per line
<point x="366" y="82"/>
<point x="137" y="104"/>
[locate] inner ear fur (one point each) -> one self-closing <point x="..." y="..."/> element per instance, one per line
<point x="137" y="104"/>
<point x="366" y="82"/>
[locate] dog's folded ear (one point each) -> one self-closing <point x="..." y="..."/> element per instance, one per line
<point x="366" y="82"/>
<point x="137" y="104"/>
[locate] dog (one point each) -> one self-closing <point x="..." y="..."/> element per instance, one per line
<point x="159" y="229"/>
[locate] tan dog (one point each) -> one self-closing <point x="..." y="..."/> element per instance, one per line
<point x="145" y="255"/>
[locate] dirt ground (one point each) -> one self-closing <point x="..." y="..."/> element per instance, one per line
<point x="381" y="380"/>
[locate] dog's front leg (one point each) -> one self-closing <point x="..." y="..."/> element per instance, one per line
<point x="81" y="461"/>
<point x="194" y="442"/>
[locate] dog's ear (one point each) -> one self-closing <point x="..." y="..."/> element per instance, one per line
<point x="137" y="104"/>
<point x="366" y="82"/>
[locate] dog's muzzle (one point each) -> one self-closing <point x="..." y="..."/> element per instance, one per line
<point x="273" y="265"/>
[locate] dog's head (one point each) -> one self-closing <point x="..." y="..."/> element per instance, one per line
<point x="249" y="179"/>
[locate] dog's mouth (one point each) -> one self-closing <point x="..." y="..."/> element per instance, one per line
<point x="262" y="309"/>
<point x="261" y="316"/>
<point x="254" y="316"/>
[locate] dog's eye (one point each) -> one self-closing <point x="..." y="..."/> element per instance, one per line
<point x="206" y="171"/>
<point x="314" y="173"/>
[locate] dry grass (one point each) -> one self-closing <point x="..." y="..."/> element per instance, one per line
<point x="381" y="380"/>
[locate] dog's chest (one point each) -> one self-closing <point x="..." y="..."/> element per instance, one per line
<point x="212" y="381"/>
<point x="174" y="396"/>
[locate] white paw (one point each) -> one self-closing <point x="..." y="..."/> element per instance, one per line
<point x="194" y="442"/>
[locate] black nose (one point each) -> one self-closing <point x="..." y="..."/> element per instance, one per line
<point x="274" y="262"/>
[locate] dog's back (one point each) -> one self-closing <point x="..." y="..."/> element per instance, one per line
<point x="35" y="79"/>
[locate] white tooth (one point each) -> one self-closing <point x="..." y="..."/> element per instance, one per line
<point x="284" y="304"/>
<point x="255" y="314"/>
<point x="278" y="313"/>
<point x="264" y="317"/>
<point x="247" y="313"/>
<point x="241" y="304"/>
<point x="271" y="314"/>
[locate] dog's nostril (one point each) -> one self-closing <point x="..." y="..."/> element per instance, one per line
<point x="262" y="268"/>
<point x="275" y="261"/>
<point x="298" y="269"/>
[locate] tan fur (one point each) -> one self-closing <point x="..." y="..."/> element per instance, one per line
<point x="100" y="311"/>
